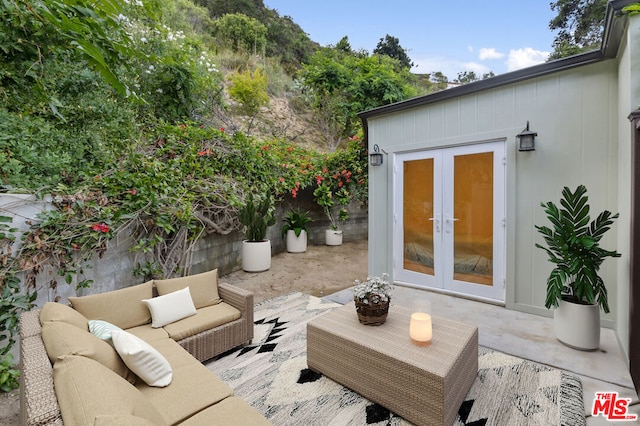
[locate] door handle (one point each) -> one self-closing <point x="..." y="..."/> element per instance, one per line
<point x="436" y="220"/>
<point x="450" y="220"/>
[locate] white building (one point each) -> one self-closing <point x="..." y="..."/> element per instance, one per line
<point x="453" y="206"/>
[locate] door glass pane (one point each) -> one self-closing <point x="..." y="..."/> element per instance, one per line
<point x="473" y="209"/>
<point x="418" y="208"/>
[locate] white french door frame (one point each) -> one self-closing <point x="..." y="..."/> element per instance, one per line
<point x="444" y="222"/>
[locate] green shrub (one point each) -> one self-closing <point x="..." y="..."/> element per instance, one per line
<point x="9" y="374"/>
<point x="250" y="90"/>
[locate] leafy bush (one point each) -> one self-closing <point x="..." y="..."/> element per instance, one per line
<point x="241" y="32"/>
<point x="13" y="301"/>
<point x="250" y="89"/>
<point x="9" y="374"/>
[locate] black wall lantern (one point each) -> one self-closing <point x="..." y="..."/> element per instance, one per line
<point x="527" y="139"/>
<point x="376" y="157"/>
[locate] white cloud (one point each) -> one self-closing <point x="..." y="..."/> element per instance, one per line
<point x="526" y="57"/>
<point x="477" y="68"/>
<point x="470" y="49"/>
<point x="489" y="53"/>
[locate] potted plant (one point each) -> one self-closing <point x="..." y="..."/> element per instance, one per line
<point x="296" y="231"/>
<point x="574" y="286"/>
<point x="372" y="298"/>
<point x="256" y="216"/>
<point x="330" y="201"/>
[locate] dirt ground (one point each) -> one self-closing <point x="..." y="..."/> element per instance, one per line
<point x="320" y="271"/>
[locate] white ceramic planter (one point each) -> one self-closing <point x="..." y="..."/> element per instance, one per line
<point x="333" y="238"/>
<point x="577" y="326"/>
<point x="256" y="256"/>
<point x="296" y="244"/>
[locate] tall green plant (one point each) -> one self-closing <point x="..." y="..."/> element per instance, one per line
<point x="256" y="216"/>
<point x="573" y="246"/>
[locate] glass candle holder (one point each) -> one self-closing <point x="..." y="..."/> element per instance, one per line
<point x="420" y="324"/>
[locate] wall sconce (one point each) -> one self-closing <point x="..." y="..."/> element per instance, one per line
<point x="376" y="157"/>
<point x="527" y="139"/>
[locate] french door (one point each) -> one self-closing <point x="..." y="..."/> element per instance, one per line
<point x="449" y="219"/>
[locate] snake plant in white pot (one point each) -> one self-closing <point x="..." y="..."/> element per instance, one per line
<point x="574" y="285"/>
<point x="256" y="216"/>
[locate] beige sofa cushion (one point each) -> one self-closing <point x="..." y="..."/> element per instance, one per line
<point x="231" y="411"/>
<point x="205" y="319"/>
<point x="52" y="311"/>
<point x="121" y="420"/>
<point x="177" y="356"/>
<point x="123" y="307"/>
<point x="86" y="390"/>
<point x="148" y="333"/>
<point x="203" y="287"/>
<point x="65" y="339"/>
<point x="194" y="388"/>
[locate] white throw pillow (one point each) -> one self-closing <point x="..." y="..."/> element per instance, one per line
<point x="102" y="329"/>
<point x="170" y="308"/>
<point x="141" y="358"/>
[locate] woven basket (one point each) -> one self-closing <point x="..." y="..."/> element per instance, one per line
<point x="372" y="314"/>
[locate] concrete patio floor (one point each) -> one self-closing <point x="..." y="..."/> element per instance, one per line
<point x="329" y="272"/>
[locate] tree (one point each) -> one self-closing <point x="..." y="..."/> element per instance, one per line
<point x="390" y="46"/>
<point x="580" y="24"/>
<point x="250" y="89"/>
<point x="439" y="80"/>
<point x="242" y="32"/>
<point x="466" y="77"/>
<point x="341" y="84"/>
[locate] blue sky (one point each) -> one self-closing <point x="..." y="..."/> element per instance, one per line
<point x="479" y="36"/>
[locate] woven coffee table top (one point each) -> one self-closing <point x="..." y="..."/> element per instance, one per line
<point x="392" y="337"/>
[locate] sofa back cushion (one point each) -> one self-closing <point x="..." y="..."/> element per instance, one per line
<point x="87" y="390"/>
<point x="123" y="307"/>
<point x="57" y="312"/>
<point x="203" y="287"/>
<point x="62" y="339"/>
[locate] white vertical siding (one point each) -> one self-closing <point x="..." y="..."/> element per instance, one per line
<point x="575" y="115"/>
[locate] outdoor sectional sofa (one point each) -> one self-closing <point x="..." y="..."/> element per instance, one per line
<point x="112" y="358"/>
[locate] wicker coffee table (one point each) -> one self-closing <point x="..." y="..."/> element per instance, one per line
<point x="424" y="385"/>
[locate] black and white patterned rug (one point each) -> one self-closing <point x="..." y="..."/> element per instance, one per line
<point x="272" y="375"/>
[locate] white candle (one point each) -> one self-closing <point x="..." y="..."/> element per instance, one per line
<point x="420" y="327"/>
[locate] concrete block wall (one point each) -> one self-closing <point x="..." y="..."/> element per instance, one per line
<point x="115" y="268"/>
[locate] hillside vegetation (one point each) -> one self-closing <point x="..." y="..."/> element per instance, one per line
<point x="159" y="119"/>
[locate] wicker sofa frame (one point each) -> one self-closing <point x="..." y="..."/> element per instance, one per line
<point x="38" y="402"/>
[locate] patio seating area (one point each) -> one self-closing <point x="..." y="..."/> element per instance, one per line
<point x="333" y="270"/>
